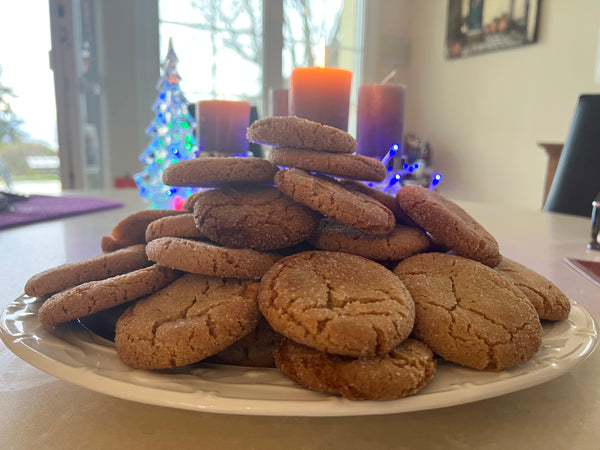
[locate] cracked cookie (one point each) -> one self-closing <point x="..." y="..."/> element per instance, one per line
<point x="95" y="268"/>
<point x="193" y="318"/>
<point x="337" y="303"/>
<point x="353" y="166"/>
<point x="403" y="371"/>
<point x="449" y="224"/>
<point x="292" y="131"/>
<point x="468" y="313"/>
<point x="209" y="259"/>
<point x="215" y="171"/>
<point x="89" y="298"/>
<point x="549" y="301"/>
<point x="331" y="199"/>
<point x="181" y="225"/>
<point x="251" y="216"/>
<point x="401" y="243"/>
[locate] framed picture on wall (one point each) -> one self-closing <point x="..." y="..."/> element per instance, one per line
<point x="480" y="26"/>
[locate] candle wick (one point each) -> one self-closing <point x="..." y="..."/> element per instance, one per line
<point x="389" y="76"/>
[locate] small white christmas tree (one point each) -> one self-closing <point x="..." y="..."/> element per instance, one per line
<point x="173" y="140"/>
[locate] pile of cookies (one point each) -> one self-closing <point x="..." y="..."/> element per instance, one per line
<point x="294" y="262"/>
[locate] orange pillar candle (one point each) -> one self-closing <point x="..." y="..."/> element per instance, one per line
<point x="222" y="126"/>
<point x="321" y="94"/>
<point x="380" y="118"/>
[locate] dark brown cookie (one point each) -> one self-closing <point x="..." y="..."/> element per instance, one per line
<point x="549" y="301"/>
<point x="401" y="243"/>
<point x="189" y="320"/>
<point x="337" y="303"/>
<point x="91" y="269"/>
<point x="330" y="198"/>
<point x="181" y="225"/>
<point x="403" y="371"/>
<point x="256" y="217"/>
<point x="209" y="259"/>
<point x="291" y="131"/>
<point x="449" y="224"/>
<point x="216" y="171"/>
<point x="358" y="167"/>
<point x="132" y="229"/>
<point x="89" y="298"/>
<point x="468" y="313"/>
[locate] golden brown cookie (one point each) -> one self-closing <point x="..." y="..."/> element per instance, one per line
<point x="549" y="301"/>
<point x="337" y="303"/>
<point x="209" y="259"/>
<point x="468" y="313"/>
<point x="253" y="350"/>
<point x="251" y="216"/>
<point x="292" y="131"/>
<point x="328" y="197"/>
<point x="181" y="225"/>
<point x="189" y="320"/>
<point x="449" y="224"/>
<point x="358" y="167"/>
<point x="89" y="298"/>
<point x="95" y="268"/>
<point x="403" y="371"/>
<point x="132" y="229"/>
<point x="215" y="171"/>
<point x="401" y="243"/>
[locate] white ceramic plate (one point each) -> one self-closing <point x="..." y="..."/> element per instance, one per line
<point x="75" y="354"/>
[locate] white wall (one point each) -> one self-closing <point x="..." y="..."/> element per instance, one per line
<point x="485" y="114"/>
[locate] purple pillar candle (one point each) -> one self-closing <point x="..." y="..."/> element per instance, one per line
<point x="380" y="118"/>
<point x="222" y="127"/>
<point x="279" y="102"/>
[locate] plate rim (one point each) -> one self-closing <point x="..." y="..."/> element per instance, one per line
<point x="30" y="351"/>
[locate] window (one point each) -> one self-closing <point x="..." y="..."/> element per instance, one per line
<point x="220" y="44"/>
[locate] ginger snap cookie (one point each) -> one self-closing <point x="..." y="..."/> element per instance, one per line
<point x="215" y="171"/>
<point x="132" y="229"/>
<point x="330" y="198"/>
<point x="94" y="296"/>
<point x="549" y="301"/>
<point x="181" y="225"/>
<point x="292" y="131"/>
<point x="354" y="166"/>
<point x="337" y="303"/>
<point x="253" y="350"/>
<point x="468" y="313"/>
<point x="449" y="224"/>
<point x="406" y="369"/>
<point x="194" y="317"/>
<point x="95" y="268"/>
<point x="253" y="216"/>
<point x="209" y="259"/>
<point x="401" y="243"/>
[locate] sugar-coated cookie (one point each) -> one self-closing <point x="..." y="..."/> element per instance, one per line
<point x="337" y="303"/>
<point x="89" y="298"/>
<point x="468" y="313"/>
<point x="292" y="131"/>
<point x="549" y="301"/>
<point x="405" y="370"/>
<point x="331" y="199"/>
<point x="353" y="166"/>
<point x="181" y="225"/>
<point x="253" y="216"/>
<point x="210" y="259"/>
<point x="194" y="317"/>
<point x="449" y="224"/>
<point x="215" y="171"/>
<point x="401" y="243"/>
<point x="95" y="268"/>
<point x="132" y="229"/>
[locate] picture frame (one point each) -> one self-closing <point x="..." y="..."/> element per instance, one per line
<point x="481" y="26"/>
